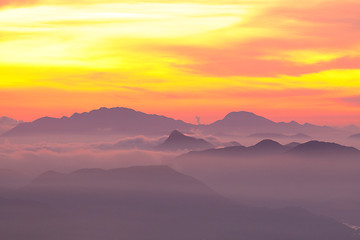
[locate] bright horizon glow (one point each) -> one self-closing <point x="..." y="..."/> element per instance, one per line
<point x="182" y="59"/>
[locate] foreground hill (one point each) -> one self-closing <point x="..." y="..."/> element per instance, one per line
<point x="158" y="203"/>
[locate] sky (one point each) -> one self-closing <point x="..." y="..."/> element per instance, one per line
<point x="281" y="59"/>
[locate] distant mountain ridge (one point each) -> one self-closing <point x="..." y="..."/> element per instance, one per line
<point x="128" y="121"/>
<point x="268" y="146"/>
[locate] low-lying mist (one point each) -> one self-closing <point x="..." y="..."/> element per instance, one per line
<point x="36" y="158"/>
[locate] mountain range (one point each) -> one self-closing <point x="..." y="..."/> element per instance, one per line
<point x="128" y="121"/>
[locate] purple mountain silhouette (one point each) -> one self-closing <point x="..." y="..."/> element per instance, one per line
<point x="179" y="141"/>
<point x="101" y="121"/>
<point x="156" y="202"/>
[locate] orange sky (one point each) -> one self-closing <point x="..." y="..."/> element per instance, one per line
<point x="281" y="59"/>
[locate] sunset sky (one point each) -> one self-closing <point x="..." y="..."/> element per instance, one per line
<point x="282" y="59"/>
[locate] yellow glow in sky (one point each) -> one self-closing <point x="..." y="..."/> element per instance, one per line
<point x="243" y="55"/>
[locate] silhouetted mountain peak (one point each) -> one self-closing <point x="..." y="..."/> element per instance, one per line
<point x="179" y="141"/>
